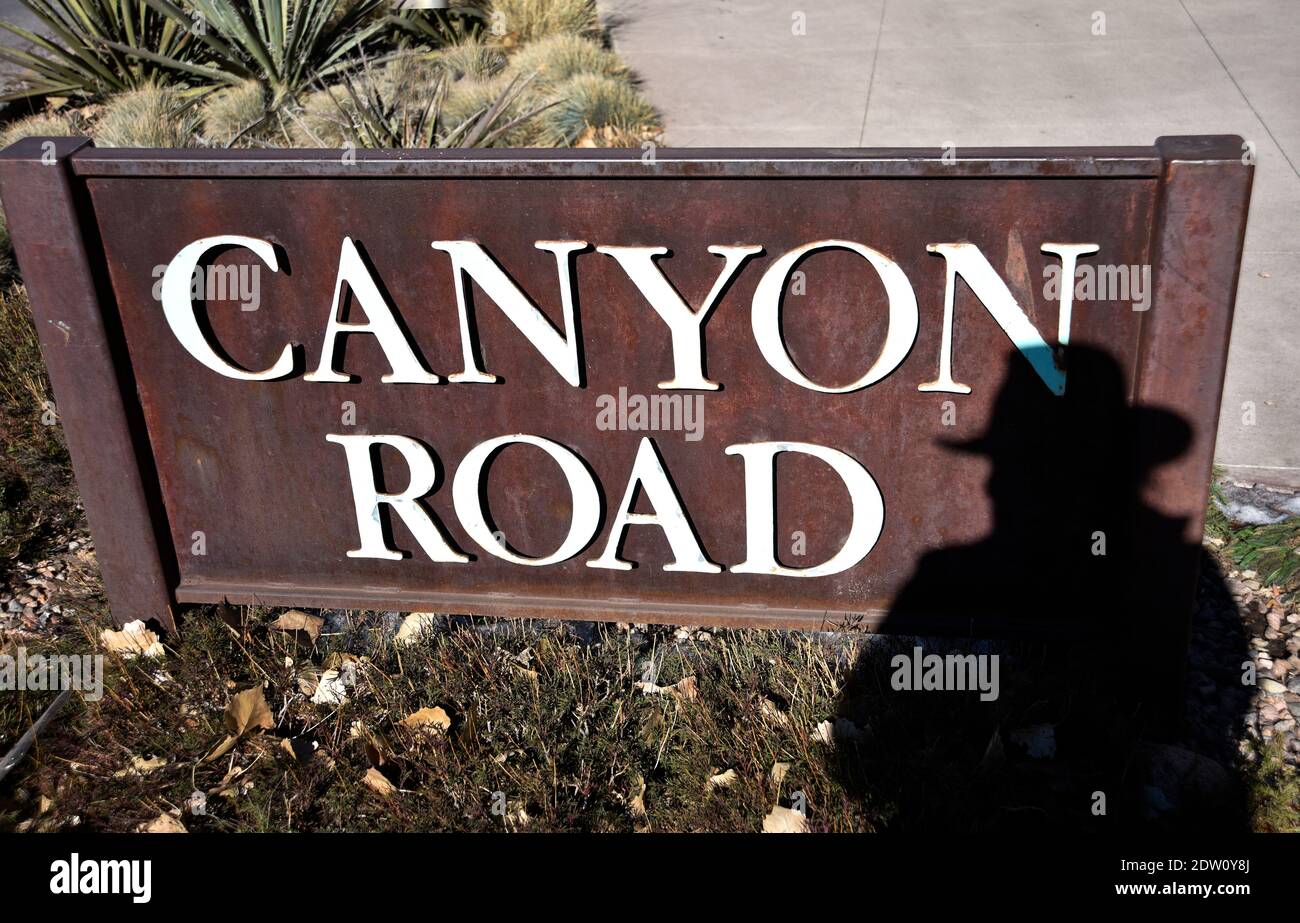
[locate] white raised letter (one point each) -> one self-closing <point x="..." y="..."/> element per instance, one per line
<point x="648" y="471"/>
<point x="379" y="321"/>
<point x="867" y="509"/>
<point x="586" y="499"/>
<point x="178" y="309"/>
<point x="966" y="260"/>
<point x="685" y="325"/>
<point x="470" y="259"/>
<point x="1069" y="254"/>
<point x="903" y="316"/>
<point x="366" y="498"/>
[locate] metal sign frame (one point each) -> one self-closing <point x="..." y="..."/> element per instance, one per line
<point x="1201" y="188"/>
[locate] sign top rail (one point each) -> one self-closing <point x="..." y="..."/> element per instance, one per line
<point x="884" y="163"/>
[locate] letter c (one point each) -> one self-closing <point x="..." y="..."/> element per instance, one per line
<point x="178" y="308"/>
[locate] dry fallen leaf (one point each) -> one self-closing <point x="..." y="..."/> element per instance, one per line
<point x="772" y="712"/>
<point x="299" y="748"/>
<point x="637" y="803"/>
<point x="134" y="640"/>
<point x="163" y="823"/>
<point x="777" y="774"/>
<point x="721" y="780"/>
<point x="428" y="719"/>
<point x="340" y="660"/>
<point x="297" y="620"/>
<point x="414" y="627"/>
<point x="377" y="748"/>
<point x="309" y="679"/>
<point x="784" y="820"/>
<point x="140" y="766"/>
<point x="527" y="673"/>
<point x="246" y="711"/>
<point x="686" y="689"/>
<point x="227" y="788"/>
<point x="379" y="782"/>
<point x="235" y="619"/>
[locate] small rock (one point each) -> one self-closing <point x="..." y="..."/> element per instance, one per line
<point x="1271" y="686"/>
<point x="1038" y="740"/>
<point x="1182" y="777"/>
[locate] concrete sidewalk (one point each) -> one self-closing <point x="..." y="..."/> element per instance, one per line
<point x="925" y="73"/>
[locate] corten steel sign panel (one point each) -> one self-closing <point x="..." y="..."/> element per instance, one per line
<point x="891" y="367"/>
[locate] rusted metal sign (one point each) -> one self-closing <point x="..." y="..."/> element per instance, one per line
<point x="886" y="388"/>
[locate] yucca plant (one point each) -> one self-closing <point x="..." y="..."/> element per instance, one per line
<point x="85" y="53"/>
<point x="284" y="44"/>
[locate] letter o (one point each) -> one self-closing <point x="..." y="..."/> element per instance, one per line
<point x="904" y="319"/>
<point x="586" y="499"/>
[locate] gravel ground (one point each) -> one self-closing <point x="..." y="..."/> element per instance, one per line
<point x="43" y="596"/>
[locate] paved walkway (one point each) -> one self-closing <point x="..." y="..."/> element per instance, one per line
<point x="881" y="73"/>
<point x="13" y="12"/>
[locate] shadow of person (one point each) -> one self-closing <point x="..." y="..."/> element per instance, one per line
<point x="1069" y="732"/>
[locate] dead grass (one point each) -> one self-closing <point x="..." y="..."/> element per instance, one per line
<point x="553" y="723"/>
<point x="550" y="731"/>
<point x="38" y="499"/>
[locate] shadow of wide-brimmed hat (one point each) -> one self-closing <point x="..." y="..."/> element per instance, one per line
<point x="1093" y="417"/>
